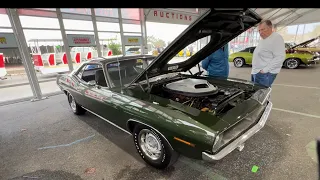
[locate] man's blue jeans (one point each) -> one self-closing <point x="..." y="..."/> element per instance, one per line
<point x="265" y="79"/>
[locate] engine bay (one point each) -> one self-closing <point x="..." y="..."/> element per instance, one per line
<point x="201" y="94"/>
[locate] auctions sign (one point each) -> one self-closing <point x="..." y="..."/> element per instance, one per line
<point x="169" y="16"/>
<point x="85" y="40"/>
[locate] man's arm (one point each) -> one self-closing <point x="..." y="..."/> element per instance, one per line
<point x="279" y="54"/>
<point x="205" y="63"/>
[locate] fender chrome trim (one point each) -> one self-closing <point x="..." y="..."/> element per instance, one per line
<point x="239" y="141"/>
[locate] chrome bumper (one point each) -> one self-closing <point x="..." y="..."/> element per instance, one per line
<point x="238" y="143"/>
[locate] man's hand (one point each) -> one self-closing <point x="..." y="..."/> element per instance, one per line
<point x="261" y="71"/>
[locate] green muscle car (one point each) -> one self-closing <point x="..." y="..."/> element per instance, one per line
<point x="168" y="110"/>
<point x="292" y="60"/>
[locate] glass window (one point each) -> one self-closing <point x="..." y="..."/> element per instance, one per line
<point x="106" y="12"/>
<point x="4" y="19"/>
<point x="130" y="13"/>
<point x="108" y="26"/>
<point x="125" y="71"/>
<point x="131" y="28"/>
<point x="3" y="11"/>
<point x="42" y="34"/>
<point x="6" y="30"/>
<point x="79" y="32"/>
<point x="88" y="72"/>
<point x="77" y="24"/>
<point x="39" y="22"/>
<point x="86" y="11"/>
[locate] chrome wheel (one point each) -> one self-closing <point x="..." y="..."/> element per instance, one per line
<point x="292" y="63"/>
<point x="150" y="144"/>
<point x="238" y="62"/>
<point x="73" y="103"/>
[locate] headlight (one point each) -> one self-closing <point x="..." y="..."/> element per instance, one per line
<point x="261" y="95"/>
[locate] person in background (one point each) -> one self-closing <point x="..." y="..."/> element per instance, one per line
<point x="216" y="64"/>
<point x="191" y="50"/>
<point x="268" y="56"/>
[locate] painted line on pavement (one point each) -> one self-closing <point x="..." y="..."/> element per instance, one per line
<point x="64" y="145"/>
<point x="299" y="113"/>
<point x="289" y="85"/>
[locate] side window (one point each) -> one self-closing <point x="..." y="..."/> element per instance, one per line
<point x="88" y="72"/>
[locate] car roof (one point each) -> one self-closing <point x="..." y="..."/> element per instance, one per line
<point x="119" y="58"/>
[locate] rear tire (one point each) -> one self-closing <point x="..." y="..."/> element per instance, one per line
<point x="75" y="107"/>
<point x="238" y="62"/>
<point x="152" y="148"/>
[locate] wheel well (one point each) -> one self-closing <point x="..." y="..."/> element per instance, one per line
<point x="131" y="125"/>
<point x="238" y="57"/>
<point x="65" y="92"/>
<point x="292" y="58"/>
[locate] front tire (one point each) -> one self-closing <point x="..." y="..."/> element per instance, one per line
<point x="238" y="62"/>
<point x="292" y="63"/>
<point x="75" y="107"/>
<point x="152" y="148"/>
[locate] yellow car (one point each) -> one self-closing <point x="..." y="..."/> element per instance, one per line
<point x="180" y="54"/>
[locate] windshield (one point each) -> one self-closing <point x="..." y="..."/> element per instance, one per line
<point x="124" y="72"/>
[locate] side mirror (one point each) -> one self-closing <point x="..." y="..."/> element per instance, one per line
<point x="92" y="83"/>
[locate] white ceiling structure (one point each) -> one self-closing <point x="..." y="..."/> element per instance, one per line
<point x="289" y="16"/>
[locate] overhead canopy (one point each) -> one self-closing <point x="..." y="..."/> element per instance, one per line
<point x="289" y="16"/>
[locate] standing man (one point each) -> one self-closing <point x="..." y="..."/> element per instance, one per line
<point x="268" y="56"/>
<point x="216" y="64"/>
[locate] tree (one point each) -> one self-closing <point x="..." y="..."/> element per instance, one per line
<point x="115" y="48"/>
<point x="156" y="41"/>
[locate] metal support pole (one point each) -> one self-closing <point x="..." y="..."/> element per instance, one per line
<point x="144" y="37"/>
<point x="23" y="48"/>
<point x="64" y="39"/>
<point x="121" y="32"/>
<point x="95" y="29"/>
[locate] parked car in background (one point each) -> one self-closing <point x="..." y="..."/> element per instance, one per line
<point x="292" y="60"/>
<point x="309" y="46"/>
<point x="168" y="111"/>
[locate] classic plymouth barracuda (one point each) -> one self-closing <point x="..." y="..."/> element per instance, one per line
<point x="292" y="59"/>
<point x="165" y="107"/>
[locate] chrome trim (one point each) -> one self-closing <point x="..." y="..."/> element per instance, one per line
<point x="107" y="120"/>
<point x="152" y="128"/>
<point x="239" y="141"/>
<point x="267" y="96"/>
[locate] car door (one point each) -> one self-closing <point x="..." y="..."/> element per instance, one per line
<point x="102" y="101"/>
<point x="83" y="78"/>
<point x="249" y="55"/>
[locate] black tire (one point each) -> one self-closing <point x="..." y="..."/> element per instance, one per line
<point x="167" y="155"/>
<point x="238" y="62"/>
<point x="76" y="108"/>
<point x="291" y="63"/>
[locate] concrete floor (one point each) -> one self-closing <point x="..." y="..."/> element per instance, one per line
<point x="44" y="139"/>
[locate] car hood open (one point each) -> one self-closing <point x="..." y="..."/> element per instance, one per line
<point x="221" y="24"/>
<point x="305" y="43"/>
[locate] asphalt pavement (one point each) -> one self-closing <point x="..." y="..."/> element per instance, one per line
<point x="44" y="140"/>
